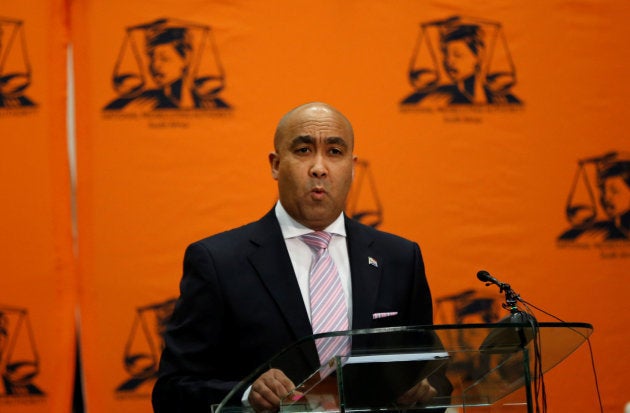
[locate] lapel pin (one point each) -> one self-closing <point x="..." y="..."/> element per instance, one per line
<point x="372" y="262"/>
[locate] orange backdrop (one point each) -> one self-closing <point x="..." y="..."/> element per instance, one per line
<point x="38" y="283"/>
<point x="483" y="185"/>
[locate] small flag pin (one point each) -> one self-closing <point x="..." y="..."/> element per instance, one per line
<point x="372" y="262"/>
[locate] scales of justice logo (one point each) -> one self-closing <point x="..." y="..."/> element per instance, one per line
<point x="461" y="61"/>
<point x="469" y="306"/>
<point x="19" y="359"/>
<point x="363" y="203"/>
<point x="15" y="68"/>
<point x="168" y="64"/>
<point x="144" y="347"/>
<point x="598" y="205"/>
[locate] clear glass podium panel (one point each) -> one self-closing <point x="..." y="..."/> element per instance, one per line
<point x="471" y="365"/>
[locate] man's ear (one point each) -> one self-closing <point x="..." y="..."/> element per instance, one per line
<point x="274" y="162"/>
<point x="354" y="164"/>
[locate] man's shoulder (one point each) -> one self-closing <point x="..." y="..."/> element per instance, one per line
<point x="233" y="233"/>
<point x="235" y="237"/>
<point x="356" y="228"/>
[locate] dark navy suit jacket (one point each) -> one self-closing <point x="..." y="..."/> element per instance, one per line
<point x="240" y="304"/>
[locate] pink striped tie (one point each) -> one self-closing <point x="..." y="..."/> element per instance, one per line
<point x="328" y="304"/>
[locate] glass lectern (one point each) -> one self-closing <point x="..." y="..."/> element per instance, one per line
<point x="482" y="365"/>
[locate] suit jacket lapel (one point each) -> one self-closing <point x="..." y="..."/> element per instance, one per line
<point x="273" y="264"/>
<point x="365" y="275"/>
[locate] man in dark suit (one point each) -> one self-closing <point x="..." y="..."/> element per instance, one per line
<point x="245" y="292"/>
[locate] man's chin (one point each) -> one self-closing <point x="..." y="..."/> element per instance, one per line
<point x="320" y="218"/>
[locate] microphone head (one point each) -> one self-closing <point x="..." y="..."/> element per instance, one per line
<point x="484" y="276"/>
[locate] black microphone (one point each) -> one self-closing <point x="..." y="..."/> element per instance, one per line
<point x="485" y="276"/>
<point x="510" y="296"/>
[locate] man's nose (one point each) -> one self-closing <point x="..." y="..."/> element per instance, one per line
<point x="318" y="170"/>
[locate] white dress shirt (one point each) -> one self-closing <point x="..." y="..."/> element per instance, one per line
<point x="302" y="256"/>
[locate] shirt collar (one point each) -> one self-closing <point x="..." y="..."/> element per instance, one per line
<point x="291" y="228"/>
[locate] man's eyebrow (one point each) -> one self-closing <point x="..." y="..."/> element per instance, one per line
<point x="309" y="140"/>
<point x="302" y="139"/>
<point x="337" y="141"/>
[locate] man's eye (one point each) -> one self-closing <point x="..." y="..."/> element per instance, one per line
<point x="302" y="150"/>
<point x="336" y="151"/>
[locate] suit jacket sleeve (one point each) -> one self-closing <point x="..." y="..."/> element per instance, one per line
<point x="239" y="305"/>
<point x="191" y="376"/>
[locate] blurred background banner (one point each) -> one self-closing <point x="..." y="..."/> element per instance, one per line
<point x="38" y="281"/>
<point x="494" y="135"/>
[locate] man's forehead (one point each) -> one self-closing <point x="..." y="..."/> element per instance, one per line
<point x="318" y="123"/>
<point x="318" y="127"/>
<point x="317" y="120"/>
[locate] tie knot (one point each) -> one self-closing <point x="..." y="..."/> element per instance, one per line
<point x="317" y="240"/>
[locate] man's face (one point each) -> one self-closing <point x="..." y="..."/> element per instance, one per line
<point x="314" y="165"/>
<point x="616" y="196"/>
<point x="459" y="61"/>
<point x="166" y="64"/>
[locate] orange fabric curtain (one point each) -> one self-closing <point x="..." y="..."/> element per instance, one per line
<point x="38" y="281"/>
<point x="474" y="158"/>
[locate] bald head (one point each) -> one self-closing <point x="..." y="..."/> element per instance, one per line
<point x="312" y="110"/>
<point x="313" y="163"/>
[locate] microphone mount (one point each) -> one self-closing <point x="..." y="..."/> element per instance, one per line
<point x="511" y="297"/>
